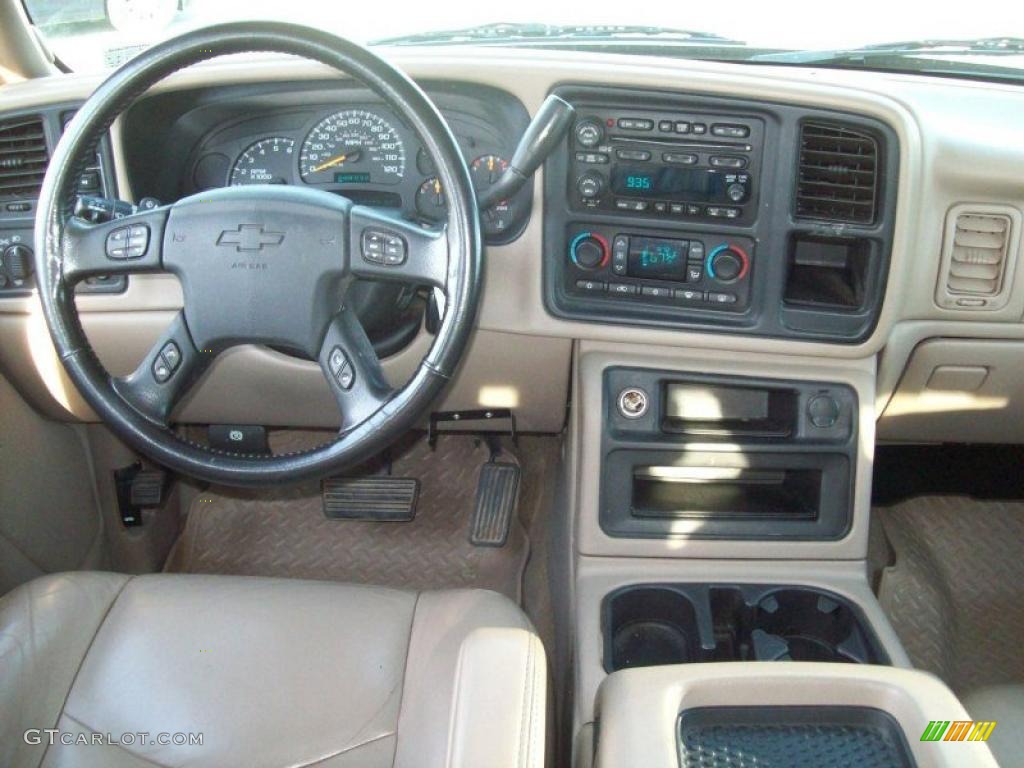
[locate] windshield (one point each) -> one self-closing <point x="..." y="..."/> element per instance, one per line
<point x="938" y="39"/>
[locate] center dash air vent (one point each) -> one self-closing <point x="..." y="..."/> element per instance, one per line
<point x="23" y="157"/>
<point x="838" y="175"/>
<point x="978" y="256"/>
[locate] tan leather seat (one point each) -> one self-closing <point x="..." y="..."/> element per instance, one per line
<point x="270" y="672"/>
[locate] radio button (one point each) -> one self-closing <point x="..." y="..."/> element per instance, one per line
<point x="676" y="208"/>
<point x="623" y="289"/>
<point x="699" y="128"/>
<point x="692" y="210"/>
<point x="590" y="185"/>
<point x="593" y="158"/>
<point x="728" y="161"/>
<point x="631" y="205"/>
<point x="635" y="124"/>
<point x="682" y="126"/>
<point x="665" y="126"/>
<point x="736" y="192"/>
<point x="660" y="207"/>
<point x="589" y="133"/>
<point x="656" y="292"/>
<point x="679" y="158"/>
<point x="632" y="154"/>
<point x="722" y="212"/>
<point x="591" y="286"/>
<point x="730" y="130"/>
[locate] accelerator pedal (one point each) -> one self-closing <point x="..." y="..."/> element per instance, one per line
<point x="496" y="495"/>
<point x="380" y="499"/>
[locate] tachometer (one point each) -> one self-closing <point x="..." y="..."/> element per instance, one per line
<point x="268" y="161"/>
<point x="354" y="146"/>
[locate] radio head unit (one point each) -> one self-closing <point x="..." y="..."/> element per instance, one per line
<point x="672" y="165"/>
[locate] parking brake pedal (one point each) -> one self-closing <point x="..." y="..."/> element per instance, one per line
<point x="496" y="494"/>
<point x="381" y="499"/>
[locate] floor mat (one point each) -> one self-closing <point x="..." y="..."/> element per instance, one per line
<point x="955" y="594"/>
<point x="285" y="533"/>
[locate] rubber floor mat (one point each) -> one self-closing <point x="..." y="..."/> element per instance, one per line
<point x="285" y="532"/>
<point x="955" y="594"/>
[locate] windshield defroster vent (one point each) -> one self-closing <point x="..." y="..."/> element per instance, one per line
<point x="837" y="179"/>
<point x="23" y="157"/>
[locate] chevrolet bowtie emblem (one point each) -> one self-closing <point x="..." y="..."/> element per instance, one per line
<point x="249" y="237"/>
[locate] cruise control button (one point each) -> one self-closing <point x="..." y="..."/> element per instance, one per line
<point x="161" y="371"/>
<point x="171" y="355"/>
<point x="622" y="289"/>
<point x="346" y="377"/>
<point x="336" y="361"/>
<point x="116" y="242"/>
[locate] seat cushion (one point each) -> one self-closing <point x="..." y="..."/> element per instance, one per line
<point x="1005" y="705"/>
<point x="270" y="672"/>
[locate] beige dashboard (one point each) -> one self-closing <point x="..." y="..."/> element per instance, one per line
<point x="959" y="144"/>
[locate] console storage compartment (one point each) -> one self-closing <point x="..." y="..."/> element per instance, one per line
<point x="726" y="457"/>
<point x="655" y="624"/>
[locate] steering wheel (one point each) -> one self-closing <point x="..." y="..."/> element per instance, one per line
<point x="259" y="265"/>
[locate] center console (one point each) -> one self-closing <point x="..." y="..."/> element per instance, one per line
<point x="670" y="210"/>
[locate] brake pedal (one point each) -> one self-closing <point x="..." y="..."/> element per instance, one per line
<point x="380" y="499"/>
<point x="496" y="495"/>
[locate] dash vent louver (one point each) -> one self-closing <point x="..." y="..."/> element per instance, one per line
<point x="837" y="179"/>
<point x="978" y="256"/>
<point x="23" y="157"/>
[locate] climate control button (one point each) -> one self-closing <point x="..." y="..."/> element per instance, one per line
<point x="589" y="251"/>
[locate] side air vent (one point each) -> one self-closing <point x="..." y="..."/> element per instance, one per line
<point x="978" y="256"/>
<point x="838" y="175"/>
<point x="23" y="157"/>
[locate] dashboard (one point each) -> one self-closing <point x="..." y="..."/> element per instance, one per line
<point x="603" y="251"/>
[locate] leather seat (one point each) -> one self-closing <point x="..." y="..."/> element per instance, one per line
<point x="271" y="672"/>
<point x="1005" y="705"/>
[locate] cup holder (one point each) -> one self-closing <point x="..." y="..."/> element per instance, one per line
<point x="683" y="623"/>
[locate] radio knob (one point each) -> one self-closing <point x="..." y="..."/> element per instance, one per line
<point x="590" y="185"/>
<point x="727" y="263"/>
<point x="736" y="192"/>
<point x="589" y="133"/>
<point x="588" y="251"/>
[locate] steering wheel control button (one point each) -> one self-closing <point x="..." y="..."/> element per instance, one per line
<point x="129" y="242"/>
<point x="341" y="369"/>
<point x="171" y="355"/>
<point x="384" y="248"/>
<point x="394" y="250"/>
<point x="167" y="362"/>
<point x="633" y="402"/>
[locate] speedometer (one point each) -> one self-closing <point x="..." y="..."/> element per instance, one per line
<point x="354" y="146"/>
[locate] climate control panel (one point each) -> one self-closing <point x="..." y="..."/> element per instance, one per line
<point x="696" y="271"/>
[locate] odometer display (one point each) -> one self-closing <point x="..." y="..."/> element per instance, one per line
<point x="354" y="146"/>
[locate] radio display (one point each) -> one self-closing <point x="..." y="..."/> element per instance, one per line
<point x="657" y="259"/>
<point x="697" y="185"/>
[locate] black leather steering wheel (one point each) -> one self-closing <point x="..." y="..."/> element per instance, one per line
<point x="262" y="265"/>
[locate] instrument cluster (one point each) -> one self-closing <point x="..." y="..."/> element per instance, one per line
<point x="361" y="151"/>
